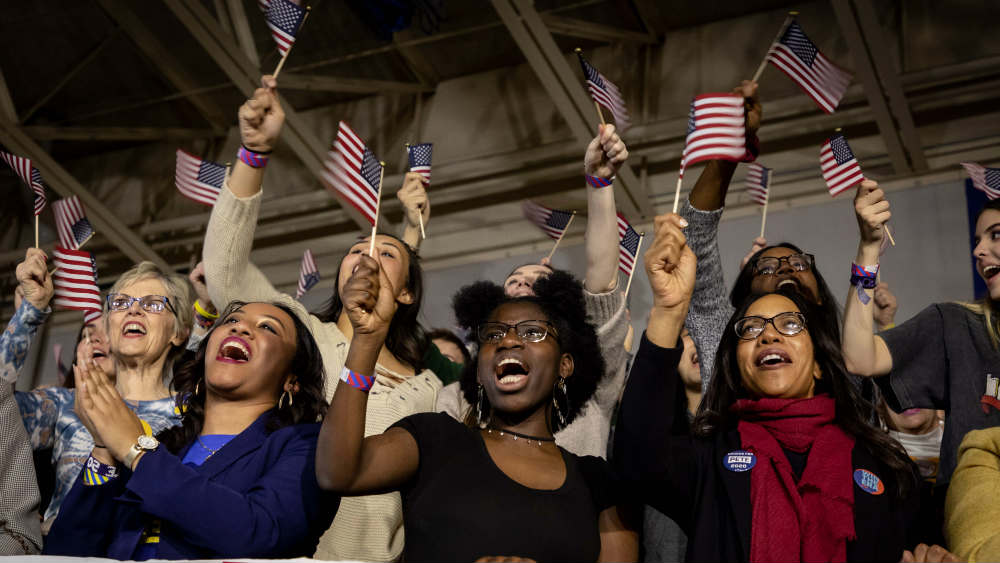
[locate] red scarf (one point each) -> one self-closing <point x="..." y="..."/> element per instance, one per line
<point x="811" y="520"/>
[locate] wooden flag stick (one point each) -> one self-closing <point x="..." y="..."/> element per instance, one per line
<point x="36" y="231"/>
<point x="885" y="227"/>
<point x="630" y="274"/>
<point x="600" y="114"/>
<point x="677" y="192"/>
<point x="763" y="217"/>
<point x="281" y="63"/>
<point x="420" y="216"/>
<point x="561" y="235"/>
<point x="378" y="204"/>
<point x="763" y="64"/>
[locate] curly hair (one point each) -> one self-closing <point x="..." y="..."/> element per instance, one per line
<point x="560" y="297"/>
<point x="406" y="339"/>
<point x="308" y="406"/>
<point x="726" y="387"/>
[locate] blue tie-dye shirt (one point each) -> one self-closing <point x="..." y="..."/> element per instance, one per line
<point x="48" y="412"/>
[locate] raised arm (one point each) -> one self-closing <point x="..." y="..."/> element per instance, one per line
<point x="865" y="353"/>
<point x="413" y="197"/>
<point x="35" y="283"/>
<point x="346" y="461"/>
<point x="605" y="155"/>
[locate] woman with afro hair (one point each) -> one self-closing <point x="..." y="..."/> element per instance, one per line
<point x="498" y="483"/>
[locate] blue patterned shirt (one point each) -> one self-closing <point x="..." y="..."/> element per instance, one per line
<point x="48" y="412"/>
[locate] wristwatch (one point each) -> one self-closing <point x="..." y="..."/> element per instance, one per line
<point x="143" y="444"/>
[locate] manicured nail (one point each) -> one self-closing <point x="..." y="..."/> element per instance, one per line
<point x="684" y="222"/>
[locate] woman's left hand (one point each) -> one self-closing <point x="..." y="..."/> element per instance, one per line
<point x="927" y="554"/>
<point x="114" y="424"/>
<point x="369" y="299"/>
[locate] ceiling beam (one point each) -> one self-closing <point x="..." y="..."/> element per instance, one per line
<point x="572" y="27"/>
<point x="176" y="73"/>
<point x="303" y="142"/>
<point x="317" y="83"/>
<point x="566" y="90"/>
<point x="7" y="110"/>
<point x="56" y="177"/>
<point x="892" y="114"/>
<point x="419" y="65"/>
<point x="241" y="26"/>
<point x="55" y="133"/>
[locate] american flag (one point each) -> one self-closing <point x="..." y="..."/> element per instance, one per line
<point x="197" y="179"/>
<point x="840" y="169"/>
<point x="552" y="222"/>
<point x="984" y="179"/>
<point x="628" y="245"/>
<point x="72" y="225"/>
<point x="264" y="5"/>
<point x="797" y="56"/>
<point x="604" y="92"/>
<point x="420" y="159"/>
<point x="76" y="280"/>
<point x="352" y="171"/>
<point x="716" y="129"/>
<point x="284" y="18"/>
<point x="91" y="316"/>
<point x="29" y="175"/>
<point x="308" y="274"/>
<point x="758" y="182"/>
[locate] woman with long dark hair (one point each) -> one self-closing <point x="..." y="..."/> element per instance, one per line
<point x="497" y="485"/>
<point x="366" y="528"/>
<point x="779" y="463"/>
<point x="235" y="479"/>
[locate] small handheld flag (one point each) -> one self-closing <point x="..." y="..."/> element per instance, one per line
<point x="716" y="130"/>
<point x="795" y="55"/>
<point x="75" y="280"/>
<point x="30" y="176"/>
<point x="840" y="168"/>
<point x="984" y="179"/>
<point x="552" y="222"/>
<point x="72" y="225"/>
<point x="758" y="184"/>
<point x="197" y="179"/>
<point x="91" y="316"/>
<point x="352" y="172"/>
<point x="605" y="93"/>
<point x="628" y="245"/>
<point x="419" y="159"/>
<point x="308" y="274"/>
<point x="284" y="18"/>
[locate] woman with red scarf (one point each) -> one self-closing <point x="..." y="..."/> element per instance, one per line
<point x="779" y="463"/>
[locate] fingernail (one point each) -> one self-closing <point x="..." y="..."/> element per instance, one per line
<point x="684" y="222"/>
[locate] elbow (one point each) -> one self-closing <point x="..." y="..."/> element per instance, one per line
<point x="858" y="366"/>
<point x="331" y="480"/>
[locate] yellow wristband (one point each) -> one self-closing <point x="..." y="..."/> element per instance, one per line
<point x="201" y="311"/>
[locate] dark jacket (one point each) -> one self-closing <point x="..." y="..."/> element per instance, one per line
<point x="256" y="497"/>
<point x="684" y="477"/>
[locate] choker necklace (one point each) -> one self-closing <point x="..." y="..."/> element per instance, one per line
<point x="517" y="435"/>
<point x="210" y="451"/>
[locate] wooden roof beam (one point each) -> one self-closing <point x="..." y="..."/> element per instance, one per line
<point x="318" y="83"/>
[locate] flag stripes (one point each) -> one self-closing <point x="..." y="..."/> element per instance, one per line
<point x="71" y="223"/>
<point x="758" y="182"/>
<point x="797" y="56"/>
<point x="308" y="274"/>
<point x="75" y="281"/>
<point x="197" y="179"/>
<point x="605" y="93"/>
<point x="840" y="169"/>
<point x="552" y="222"/>
<point x="628" y="245"/>
<point x="29" y="175"/>
<point x="419" y="157"/>
<point x="284" y="18"/>
<point x="352" y="172"/>
<point x="716" y="130"/>
<point x="984" y="179"/>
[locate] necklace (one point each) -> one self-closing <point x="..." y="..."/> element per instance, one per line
<point x="517" y="435"/>
<point x="210" y="451"/>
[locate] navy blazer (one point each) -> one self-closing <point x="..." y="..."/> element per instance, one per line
<point x="685" y="477"/>
<point x="256" y="497"/>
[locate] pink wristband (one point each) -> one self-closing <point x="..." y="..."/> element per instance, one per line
<point x="253" y="159"/>
<point x="597" y="182"/>
<point x="356" y="380"/>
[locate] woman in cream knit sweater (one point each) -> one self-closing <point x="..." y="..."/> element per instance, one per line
<point x="366" y="528"/>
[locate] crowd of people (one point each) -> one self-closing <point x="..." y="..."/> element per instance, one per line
<point x="213" y="416"/>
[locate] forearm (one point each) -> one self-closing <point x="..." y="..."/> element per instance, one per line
<point x="411" y="235"/>
<point x="601" y="240"/>
<point x="15" y="341"/>
<point x="710" y="190"/>
<point x="664" y="328"/>
<point x="860" y="344"/>
<point x="245" y="180"/>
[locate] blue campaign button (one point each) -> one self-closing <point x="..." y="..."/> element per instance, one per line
<point x="868" y="481"/>
<point x="740" y="461"/>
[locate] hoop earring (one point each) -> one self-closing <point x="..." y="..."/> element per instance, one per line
<point x="560" y="387"/>
<point x="197" y="386"/>
<point x="483" y="423"/>
<point x="281" y="399"/>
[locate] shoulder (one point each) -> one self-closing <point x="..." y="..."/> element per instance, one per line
<point x="430" y="424"/>
<point x="296" y="432"/>
<point x="600" y="479"/>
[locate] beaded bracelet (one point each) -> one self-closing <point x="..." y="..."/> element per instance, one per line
<point x="862" y="279"/>
<point x="252" y="158"/>
<point x="356" y="380"/>
<point x="597" y="181"/>
<point x="97" y="473"/>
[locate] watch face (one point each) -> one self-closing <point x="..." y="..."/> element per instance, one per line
<point x="148" y="442"/>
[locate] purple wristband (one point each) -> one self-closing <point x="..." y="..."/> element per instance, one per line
<point x="253" y="159"/>
<point x="356" y="380"/>
<point x="597" y="182"/>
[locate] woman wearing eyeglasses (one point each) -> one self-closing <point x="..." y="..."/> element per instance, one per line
<point x="146" y="318"/>
<point x="498" y="483"/>
<point x="779" y="463"/>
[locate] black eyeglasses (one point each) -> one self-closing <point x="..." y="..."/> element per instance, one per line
<point x="527" y="331"/>
<point x="769" y="265"/>
<point x="149" y="303"/>
<point x="789" y="324"/>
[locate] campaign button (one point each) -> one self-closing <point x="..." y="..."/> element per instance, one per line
<point x="740" y="461"/>
<point x="868" y="481"/>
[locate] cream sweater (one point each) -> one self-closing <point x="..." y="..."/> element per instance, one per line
<point x="588" y="433"/>
<point x="368" y="528"/>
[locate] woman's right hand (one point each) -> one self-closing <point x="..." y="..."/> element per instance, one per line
<point x="34" y="280"/>
<point x="261" y="117"/>
<point x="670" y="266"/>
<point x="871" y="209"/>
<point x="369" y="300"/>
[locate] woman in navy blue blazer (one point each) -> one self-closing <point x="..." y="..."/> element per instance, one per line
<point x="236" y="479"/>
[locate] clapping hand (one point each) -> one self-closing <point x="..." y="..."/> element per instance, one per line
<point x="103" y="412"/>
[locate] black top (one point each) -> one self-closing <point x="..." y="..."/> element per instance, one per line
<point x="460" y="506"/>
<point x="941" y="359"/>
<point x="686" y="477"/>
